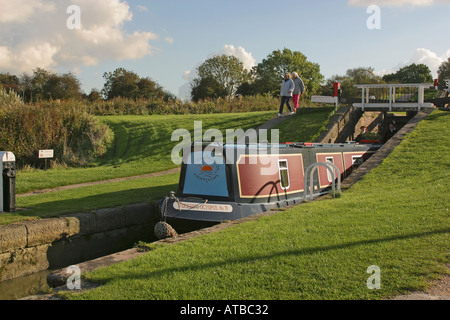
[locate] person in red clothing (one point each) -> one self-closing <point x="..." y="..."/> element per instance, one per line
<point x="299" y="89"/>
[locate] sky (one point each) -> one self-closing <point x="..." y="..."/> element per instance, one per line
<point x="166" y="40"/>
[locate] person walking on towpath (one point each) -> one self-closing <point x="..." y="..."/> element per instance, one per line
<point x="299" y="89"/>
<point x="287" y="88"/>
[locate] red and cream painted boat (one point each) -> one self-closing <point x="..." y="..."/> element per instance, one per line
<point x="230" y="182"/>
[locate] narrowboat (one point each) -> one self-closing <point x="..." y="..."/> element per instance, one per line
<point x="231" y="181"/>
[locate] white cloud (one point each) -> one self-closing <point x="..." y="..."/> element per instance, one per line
<point x="243" y="55"/>
<point x="395" y="3"/>
<point x="169" y="40"/>
<point x="421" y="55"/>
<point x="34" y="34"/>
<point x="20" y="11"/>
<point x="142" y="8"/>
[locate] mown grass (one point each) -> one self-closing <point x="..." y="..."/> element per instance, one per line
<point x="298" y="128"/>
<point x="396" y="218"/>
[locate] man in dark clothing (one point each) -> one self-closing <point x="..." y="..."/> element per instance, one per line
<point x="390" y="132"/>
<point x="287" y="87"/>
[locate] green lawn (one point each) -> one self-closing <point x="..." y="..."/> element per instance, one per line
<point x="396" y="218"/>
<point x="306" y="125"/>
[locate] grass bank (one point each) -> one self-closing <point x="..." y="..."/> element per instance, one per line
<point x="306" y="125"/>
<point x="396" y="218"/>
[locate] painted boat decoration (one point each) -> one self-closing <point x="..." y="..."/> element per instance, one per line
<point x="230" y="182"/>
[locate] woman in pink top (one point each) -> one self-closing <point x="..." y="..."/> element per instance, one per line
<point x="298" y="90"/>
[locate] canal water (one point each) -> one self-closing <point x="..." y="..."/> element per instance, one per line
<point x="24" y="286"/>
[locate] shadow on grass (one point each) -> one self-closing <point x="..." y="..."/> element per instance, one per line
<point x="299" y="252"/>
<point x="436" y="115"/>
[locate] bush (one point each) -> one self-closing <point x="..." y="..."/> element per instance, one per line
<point x="123" y="106"/>
<point x="9" y="98"/>
<point x="75" y="135"/>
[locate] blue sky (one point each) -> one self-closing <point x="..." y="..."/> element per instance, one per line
<point x="167" y="40"/>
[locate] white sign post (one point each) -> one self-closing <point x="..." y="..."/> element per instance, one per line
<point x="46" y="154"/>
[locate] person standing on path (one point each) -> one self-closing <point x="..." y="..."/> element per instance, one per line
<point x="287" y="88"/>
<point x="298" y="90"/>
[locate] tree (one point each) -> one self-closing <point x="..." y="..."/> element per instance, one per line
<point x="227" y="71"/>
<point x="149" y="89"/>
<point x="444" y="72"/>
<point x="414" y="73"/>
<point x="204" y="88"/>
<point x="127" y="84"/>
<point x="94" y="96"/>
<point x="121" y="83"/>
<point x="269" y="73"/>
<point x="65" y="86"/>
<point x="9" y="82"/>
<point x="46" y="85"/>
<point x="37" y="83"/>
<point x="352" y="77"/>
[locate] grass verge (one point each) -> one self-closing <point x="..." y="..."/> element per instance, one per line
<point x="396" y="218"/>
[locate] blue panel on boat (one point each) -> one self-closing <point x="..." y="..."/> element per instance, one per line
<point x="205" y="177"/>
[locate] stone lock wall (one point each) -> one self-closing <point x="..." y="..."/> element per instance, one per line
<point x="33" y="246"/>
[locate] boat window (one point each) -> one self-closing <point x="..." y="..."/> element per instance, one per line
<point x="331" y="160"/>
<point x="284" y="174"/>
<point x="357" y="161"/>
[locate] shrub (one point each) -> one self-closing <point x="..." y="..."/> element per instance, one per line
<point x="75" y="135"/>
<point x="123" y="106"/>
<point x="9" y="98"/>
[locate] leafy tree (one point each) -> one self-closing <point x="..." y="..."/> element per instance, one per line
<point x="121" y="83"/>
<point x="269" y="73"/>
<point x="352" y="77"/>
<point x="65" y="86"/>
<point x="414" y="73"/>
<point x="45" y="85"/>
<point x="127" y="84"/>
<point x="94" y="95"/>
<point x="37" y="84"/>
<point x="228" y="73"/>
<point x="444" y="72"/>
<point x="149" y="89"/>
<point x="9" y="82"/>
<point x="204" y="88"/>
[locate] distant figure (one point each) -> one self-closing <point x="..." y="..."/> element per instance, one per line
<point x="287" y="88"/>
<point x="390" y="132"/>
<point x="361" y="135"/>
<point x="299" y="89"/>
